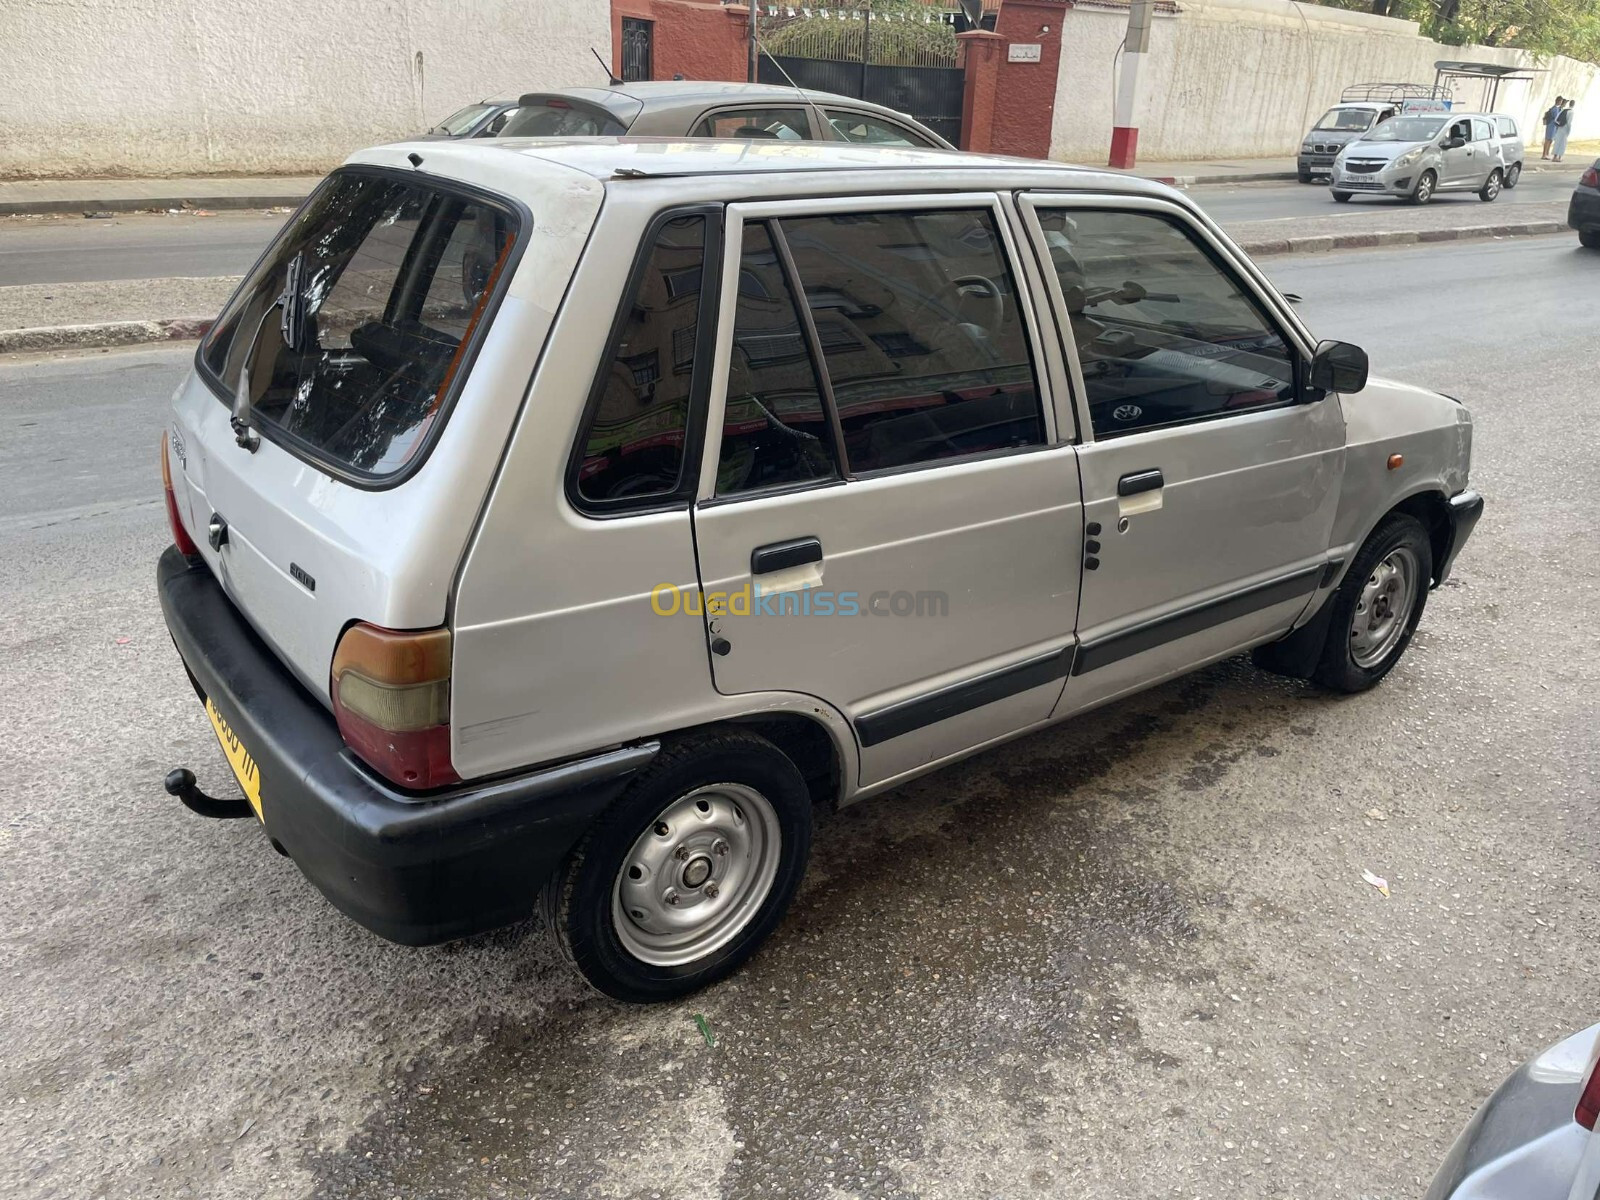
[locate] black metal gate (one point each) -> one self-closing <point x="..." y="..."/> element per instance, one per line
<point x="903" y="58"/>
<point x="931" y="95"/>
<point x="638" y="45"/>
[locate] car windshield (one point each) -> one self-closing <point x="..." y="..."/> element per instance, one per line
<point x="352" y="330"/>
<point x="462" y="120"/>
<point x="559" y="118"/>
<point x="1406" y="129"/>
<point x="1345" y="120"/>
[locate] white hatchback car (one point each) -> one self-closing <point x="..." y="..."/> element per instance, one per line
<point x="569" y="518"/>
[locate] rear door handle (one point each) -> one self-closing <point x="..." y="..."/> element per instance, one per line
<point x="780" y="556"/>
<point x="1135" y="482"/>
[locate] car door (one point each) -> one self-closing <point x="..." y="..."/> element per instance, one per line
<point x="1210" y="473"/>
<point x="1483" y="155"/>
<point x="1457" y="163"/>
<point x="889" y="518"/>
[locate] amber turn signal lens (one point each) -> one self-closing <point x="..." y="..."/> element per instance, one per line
<point x="1396" y="461"/>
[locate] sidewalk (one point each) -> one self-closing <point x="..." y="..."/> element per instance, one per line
<point x="28" y="196"/>
<point x="1580" y="156"/>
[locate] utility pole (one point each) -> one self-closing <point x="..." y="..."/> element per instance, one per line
<point x="1125" y="116"/>
<point x="866" y="48"/>
<point x="755" y="51"/>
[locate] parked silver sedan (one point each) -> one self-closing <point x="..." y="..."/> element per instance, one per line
<point x="1413" y="158"/>
<point x="1534" y="1138"/>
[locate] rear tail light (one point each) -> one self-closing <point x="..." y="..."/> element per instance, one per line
<point x="1589" y="1103"/>
<point x="180" y="535"/>
<point x="391" y="697"/>
<point x="1591" y="177"/>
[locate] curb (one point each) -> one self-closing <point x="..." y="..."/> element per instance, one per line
<point x="30" y="208"/>
<point x="101" y="335"/>
<point x="1405" y="237"/>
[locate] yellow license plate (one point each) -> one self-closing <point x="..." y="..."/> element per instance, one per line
<point x="243" y="763"/>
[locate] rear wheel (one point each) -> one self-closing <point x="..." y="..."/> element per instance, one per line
<point x="688" y="872"/>
<point x="1377" y="606"/>
<point x="1425" y="188"/>
<point x="1590" y="238"/>
<point x="1342" y="197"/>
<point x="1491" y="186"/>
<point x="1514" y="175"/>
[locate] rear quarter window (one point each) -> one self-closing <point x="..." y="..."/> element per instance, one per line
<point x="357" y="328"/>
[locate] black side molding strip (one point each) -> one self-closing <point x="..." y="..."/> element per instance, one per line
<point x="778" y="556"/>
<point x="891" y="722"/>
<point x="1116" y="647"/>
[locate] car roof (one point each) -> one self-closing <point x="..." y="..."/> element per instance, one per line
<point x="767" y="167"/>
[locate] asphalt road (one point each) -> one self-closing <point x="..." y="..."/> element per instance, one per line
<point x="1133" y="956"/>
<point x="1229" y="205"/>
<point x="72" y="249"/>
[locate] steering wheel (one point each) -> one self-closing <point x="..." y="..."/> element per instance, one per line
<point x="989" y="292"/>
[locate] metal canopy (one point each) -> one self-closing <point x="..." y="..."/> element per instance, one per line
<point x="1496" y="73"/>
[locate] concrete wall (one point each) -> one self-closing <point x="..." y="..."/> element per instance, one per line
<point x="1247" y="78"/>
<point x="191" y="87"/>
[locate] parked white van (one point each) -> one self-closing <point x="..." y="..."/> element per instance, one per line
<point x="567" y="519"/>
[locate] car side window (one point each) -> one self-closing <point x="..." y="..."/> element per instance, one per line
<point x="1461" y="129"/>
<point x="1165" y="332"/>
<point x="776" y="431"/>
<point x="782" y="124"/>
<point x="922" y="337"/>
<point x="1481" y="131"/>
<point x="874" y="131"/>
<point x="632" y="442"/>
<point x="1508" y="127"/>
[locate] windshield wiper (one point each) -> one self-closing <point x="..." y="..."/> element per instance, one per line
<point x="290" y="304"/>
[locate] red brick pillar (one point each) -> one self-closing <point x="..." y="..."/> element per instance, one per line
<point x="1028" y="76"/>
<point x="982" y="53"/>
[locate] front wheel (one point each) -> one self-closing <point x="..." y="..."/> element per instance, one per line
<point x="1303" y="175"/>
<point x="1377" y="606"/>
<point x="682" y="879"/>
<point x="1491" y="186"/>
<point x="1342" y="197"/>
<point x="1425" y="188"/>
<point x="1590" y="238"/>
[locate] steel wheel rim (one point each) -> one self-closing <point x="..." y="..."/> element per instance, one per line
<point x="1383" y="607"/>
<point x="697" y="875"/>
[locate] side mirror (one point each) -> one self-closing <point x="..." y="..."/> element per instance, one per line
<point x="1455" y="143"/>
<point x="1339" y="367"/>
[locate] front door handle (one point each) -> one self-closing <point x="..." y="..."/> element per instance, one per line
<point x="780" y="556"/>
<point x="1135" y="482"/>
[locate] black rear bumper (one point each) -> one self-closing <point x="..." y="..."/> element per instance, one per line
<point x="1465" y="508"/>
<point x="1583" y="211"/>
<point x="414" y="869"/>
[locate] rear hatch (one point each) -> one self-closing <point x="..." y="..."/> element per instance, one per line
<point x="383" y="342"/>
<point x="576" y="112"/>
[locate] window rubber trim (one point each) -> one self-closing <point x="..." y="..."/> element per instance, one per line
<point x="694" y="432"/>
<point x="299" y="447"/>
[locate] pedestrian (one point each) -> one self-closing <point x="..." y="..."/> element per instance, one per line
<point x="1563" y="131"/>
<point x="1550" y="115"/>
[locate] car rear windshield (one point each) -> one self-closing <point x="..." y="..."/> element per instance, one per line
<point x="562" y="118"/>
<point x="1348" y="120"/>
<point x="463" y="119"/>
<point x="354" y="330"/>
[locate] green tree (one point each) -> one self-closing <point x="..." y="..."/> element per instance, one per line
<point x="901" y="33"/>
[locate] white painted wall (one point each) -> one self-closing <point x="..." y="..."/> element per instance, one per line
<point x="194" y="87"/>
<point x="1247" y="78"/>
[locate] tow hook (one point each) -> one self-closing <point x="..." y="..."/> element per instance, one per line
<point x="180" y="782"/>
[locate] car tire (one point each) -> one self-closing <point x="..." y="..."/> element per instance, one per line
<point x="1303" y="175"/>
<point x="1514" y="175"/>
<point x="1590" y="238"/>
<point x="1342" y="197"/>
<point x="1377" y="606"/>
<point x="720" y="823"/>
<point x="1423" y="192"/>
<point x="1491" y="186"/>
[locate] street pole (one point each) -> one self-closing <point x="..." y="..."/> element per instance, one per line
<point x="866" y="49"/>
<point x="1125" y="116"/>
<point x="755" y="52"/>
